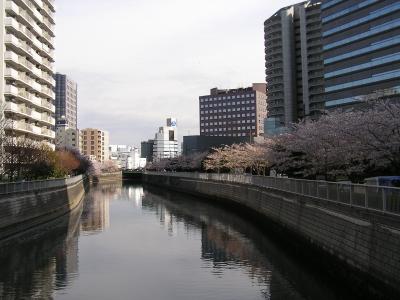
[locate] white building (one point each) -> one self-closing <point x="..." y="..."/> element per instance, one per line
<point x="68" y="138"/>
<point x="166" y="143"/>
<point x="127" y="157"/>
<point x="26" y="71"/>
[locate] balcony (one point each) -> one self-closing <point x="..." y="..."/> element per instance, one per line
<point x="22" y="47"/>
<point x="272" y="59"/>
<point x="13" y="9"/>
<point x="23" y="33"/>
<point x="40" y="17"/>
<point x="48" y="26"/>
<point x="47" y="38"/>
<point x="24" y="127"/>
<point x="48" y="119"/>
<point x="32" y="9"/>
<point x="46" y="63"/>
<point x="48" y="11"/>
<point x="23" y="79"/>
<point x="21" y="63"/>
<point x="27" y="21"/>
<point x="48" y="133"/>
<point x="47" y="92"/>
<point x="48" y="106"/>
<point x="48" y="79"/>
<point x="24" y="96"/>
<point x="49" y="3"/>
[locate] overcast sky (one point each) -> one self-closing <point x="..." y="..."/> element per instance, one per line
<point x="138" y="62"/>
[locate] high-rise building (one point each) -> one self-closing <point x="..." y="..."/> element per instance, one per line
<point x="95" y="144"/>
<point x="166" y="141"/>
<point x="294" y="65"/>
<point x="26" y="72"/>
<point x="66" y="101"/>
<point x="361" y="50"/>
<point x="234" y="112"/>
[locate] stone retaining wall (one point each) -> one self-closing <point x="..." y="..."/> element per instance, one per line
<point x="23" y="210"/>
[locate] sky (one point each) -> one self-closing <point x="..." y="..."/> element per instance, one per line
<point x="138" y="62"/>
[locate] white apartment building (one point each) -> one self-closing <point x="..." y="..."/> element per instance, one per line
<point x="166" y="143"/>
<point x="26" y="70"/>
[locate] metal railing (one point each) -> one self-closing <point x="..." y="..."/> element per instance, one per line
<point x="29" y="186"/>
<point x="379" y="198"/>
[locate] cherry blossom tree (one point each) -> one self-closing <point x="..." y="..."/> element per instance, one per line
<point x="352" y="143"/>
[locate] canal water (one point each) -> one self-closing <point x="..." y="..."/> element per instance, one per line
<point x="130" y="242"/>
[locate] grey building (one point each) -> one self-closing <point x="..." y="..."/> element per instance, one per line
<point x="294" y="65"/>
<point x="66" y="101"/>
<point x="147" y="149"/>
<point x="361" y="50"/>
<point x="202" y="143"/>
<point x="234" y="112"/>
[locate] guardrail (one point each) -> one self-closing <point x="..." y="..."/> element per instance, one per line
<point x="28" y="186"/>
<point x="380" y="198"/>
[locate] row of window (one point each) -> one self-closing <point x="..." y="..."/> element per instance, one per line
<point x="227" y="103"/>
<point x="226" y="97"/>
<point x="373" y="63"/>
<point x="202" y="124"/>
<point x="231" y="134"/>
<point x="221" y="129"/>
<point x="373" y="31"/>
<point x="377" y="94"/>
<point x="348" y="10"/>
<point x="372" y="16"/>
<point x="228" y="116"/>
<point x="330" y="3"/>
<point x="373" y="47"/>
<point x="92" y="143"/>
<point x="202" y="112"/>
<point x="373" y="79"/>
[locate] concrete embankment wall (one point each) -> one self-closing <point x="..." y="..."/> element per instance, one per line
<point x="360" y="242"/>
<point x="106" y="177"/>
<point x="23" y="209"/>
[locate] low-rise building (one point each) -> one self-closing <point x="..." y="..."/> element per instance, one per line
<point x="201" y="143"/>
<point x="67" y="137"/>
<point x="127" y="157"/>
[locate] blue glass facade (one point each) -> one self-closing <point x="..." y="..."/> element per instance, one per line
<point x="361" y="41"/>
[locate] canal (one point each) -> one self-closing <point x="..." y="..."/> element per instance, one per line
<point x="130" y="242"/>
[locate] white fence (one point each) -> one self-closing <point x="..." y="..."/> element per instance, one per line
<point x="28" y="186"/>
<point x="380" y="198"/>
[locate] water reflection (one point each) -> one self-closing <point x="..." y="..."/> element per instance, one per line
<point x="150" y="244"/>
<point x="229" y="242"/>
<point x="96" y="210"/>
<point x="38" y="262"/>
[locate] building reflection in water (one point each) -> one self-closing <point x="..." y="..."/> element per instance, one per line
<point x="44" y="263"/>
<point x="229" y="242"/>
<point x="36" y="263"/>
<point x="96" y="209"/>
